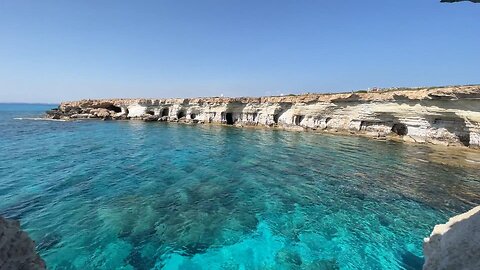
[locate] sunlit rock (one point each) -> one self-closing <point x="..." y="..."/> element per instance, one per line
<point x="455" y="244"/>
<point x="443" y="115"/>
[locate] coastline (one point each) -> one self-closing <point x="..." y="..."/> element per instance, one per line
<point x="441" y="116"/>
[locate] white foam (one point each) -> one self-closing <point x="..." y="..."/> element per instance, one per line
<point x="39" y="119"/>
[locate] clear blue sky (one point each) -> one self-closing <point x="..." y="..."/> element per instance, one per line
<point x="62" y="50"/>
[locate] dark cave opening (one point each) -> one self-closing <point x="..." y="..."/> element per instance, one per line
<point x="298" y="119"/>
<point x="164" y="112"/>
<point x="150" y="112"/>
<point x="464" y="139"/>
<point x="114" y="108"/>
<point x="229" y="118"/>
<point x="275" y="118"/>
<point x="180" y="114"/>
<point x="400" y="129"/>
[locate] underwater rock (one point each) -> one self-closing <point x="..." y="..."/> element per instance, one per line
<point x="455" y="244"/>
<point x="188" y="221"/>
<point x="438" y="115"/>
<point x="288" y="258"/>
<point x="17" y="250"/>
<point x="411" y="261"/>
<point x="323" y="265"/>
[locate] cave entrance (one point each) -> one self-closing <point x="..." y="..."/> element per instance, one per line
<point x="400" y="129"/>
<point x="364" y="125"/>
<point x="298" y="119"/>
<point x="229" y="118"/>
<point x="164" y="112"/>
<point x="464" y="139"/>
<point x="150" y="112"/>
<point x="114" y="108"/>
<point x="192" y="116"/>
<point x="275" y="118"/>
<point x="180" y="114"/>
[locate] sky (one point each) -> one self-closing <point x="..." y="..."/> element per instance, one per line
<point x="52" y="51"/>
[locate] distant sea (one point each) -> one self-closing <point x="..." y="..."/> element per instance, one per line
<point x="135" y="195"/>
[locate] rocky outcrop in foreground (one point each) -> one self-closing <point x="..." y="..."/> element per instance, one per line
<point x="442" y="115"/>
<point x="456" y="244"/>
<point x="17" y="250"/>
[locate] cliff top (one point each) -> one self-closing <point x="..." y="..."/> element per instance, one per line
<point x="395" y="94"/>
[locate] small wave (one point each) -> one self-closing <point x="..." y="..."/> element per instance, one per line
<point x="39" y="119"/>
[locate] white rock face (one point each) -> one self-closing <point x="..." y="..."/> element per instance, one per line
<point x="454" y="245"/>
<point x="447" y="115"/>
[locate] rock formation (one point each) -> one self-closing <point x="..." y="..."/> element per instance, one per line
<point x="456" y="244"/>
<point x="17" y="250"/>
<point x="442" y="115"/>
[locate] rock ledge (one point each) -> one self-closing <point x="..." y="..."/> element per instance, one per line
<point x="439" y="115"/>
<point x="455" y="244"/>
<point x="17" y="250"/>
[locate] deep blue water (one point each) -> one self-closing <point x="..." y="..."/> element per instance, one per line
<point x="134" y="195"/>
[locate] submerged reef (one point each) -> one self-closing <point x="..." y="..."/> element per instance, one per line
<point x="456" y="244"/>
<point x="17" y="250"/>
<point x="437" y="115"/>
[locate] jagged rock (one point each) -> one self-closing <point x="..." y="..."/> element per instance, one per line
<point x="443" y="115"/>
<point x="81" y="115"/>
<point x="455" y="244"/>
<point x="17" y="250"/>
<point x="101" y="113"/>
<point x="150" y="118"/>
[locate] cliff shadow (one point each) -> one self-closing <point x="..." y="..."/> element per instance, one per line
<point x="233" y="113"/>
<point x="284" y="107"/>
<point x="454" y="124"/>
<point x="386" y="122"/>
<point x="229" y="118"/>
<point x="164" y="112"/>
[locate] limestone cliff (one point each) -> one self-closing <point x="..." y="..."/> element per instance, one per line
<point x="17" y="250"/>
<point x="443" y="115"/>
<point x="456" y="244"/>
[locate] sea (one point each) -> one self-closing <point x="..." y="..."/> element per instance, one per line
<point x="98" y="194"/>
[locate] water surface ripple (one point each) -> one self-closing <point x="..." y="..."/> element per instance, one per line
<point x="133" y="195"/>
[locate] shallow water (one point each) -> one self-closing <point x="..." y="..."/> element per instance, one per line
<point x="134" y="195"/>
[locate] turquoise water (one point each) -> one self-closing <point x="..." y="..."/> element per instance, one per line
<point x="134" y="195"/>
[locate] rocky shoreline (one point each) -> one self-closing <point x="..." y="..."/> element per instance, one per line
<point x="455" y="244"/>
<point x="438" y="115"/>
<point x="17" y="250"/>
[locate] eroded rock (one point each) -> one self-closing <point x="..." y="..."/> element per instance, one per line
<point x="17" y="250"/>
<point x="443" y="115"/>
<point x="455" y="244"/>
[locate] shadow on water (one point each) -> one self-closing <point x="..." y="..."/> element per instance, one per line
<point x="411" y="261"/>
